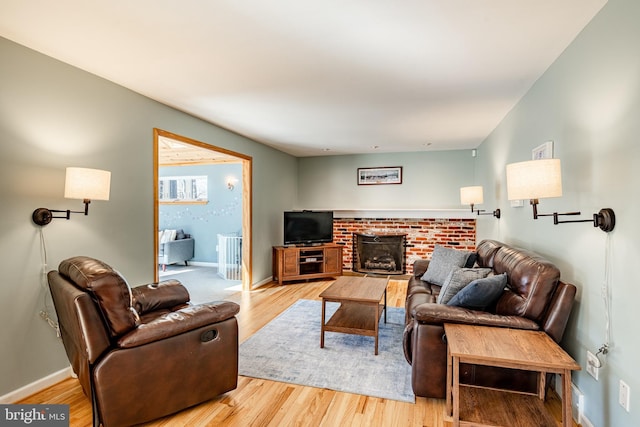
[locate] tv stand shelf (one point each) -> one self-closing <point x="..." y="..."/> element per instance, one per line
<point x="306" y="262"/>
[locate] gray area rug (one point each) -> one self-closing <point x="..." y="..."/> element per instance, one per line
<point x="287" y="349"/>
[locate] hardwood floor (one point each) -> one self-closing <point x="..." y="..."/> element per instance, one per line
<point x="257" y="402"/>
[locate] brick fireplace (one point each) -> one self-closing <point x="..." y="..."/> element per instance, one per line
<point x="379" y="253"/>
<point x="422" y="234"/>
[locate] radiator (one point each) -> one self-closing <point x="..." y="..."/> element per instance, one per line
<point x="230" y="256"/>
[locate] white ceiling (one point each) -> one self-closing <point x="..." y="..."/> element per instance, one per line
<point x="307" y="76"/>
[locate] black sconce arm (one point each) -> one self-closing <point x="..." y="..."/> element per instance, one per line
<point x="605" y="219"/>
<point x="495" y="213"/>
<point x="43" y="216"/>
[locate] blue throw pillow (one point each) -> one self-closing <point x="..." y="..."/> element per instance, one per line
<point x="481" y="293"/>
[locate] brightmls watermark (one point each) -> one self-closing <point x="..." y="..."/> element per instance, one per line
<point x="34" y="415"/>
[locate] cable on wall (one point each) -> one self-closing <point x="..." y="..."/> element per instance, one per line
<point x="44" y="313"/>
<point x="606" y="299"/>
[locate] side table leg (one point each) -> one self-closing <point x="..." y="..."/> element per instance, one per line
<point x="456" y="391"/>
<point x="567" y="416"/>
<point x="448" y="386"/>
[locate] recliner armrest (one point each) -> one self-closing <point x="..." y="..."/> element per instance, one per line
<point x="178" y="322"/>
<point x="438" y="314"/>
<point x="156" y="296"/>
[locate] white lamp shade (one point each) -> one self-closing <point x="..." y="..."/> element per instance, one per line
<point x="91" y="184"/>
<point x="471" y="195"/>
<point x="534" y="179"/>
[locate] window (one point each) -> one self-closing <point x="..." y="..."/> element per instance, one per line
<point x="183" y="189"/>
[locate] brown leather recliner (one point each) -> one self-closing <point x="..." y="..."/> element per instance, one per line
<point x="145" y="352"/>
<point x="534" y="299"/>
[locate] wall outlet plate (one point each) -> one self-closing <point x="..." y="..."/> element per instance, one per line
<point x="624" y="396"/>
<point x="592" y="365"/>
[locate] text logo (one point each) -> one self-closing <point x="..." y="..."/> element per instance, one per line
<point x="34" y="415"/>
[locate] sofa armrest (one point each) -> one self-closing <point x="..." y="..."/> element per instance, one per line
<point x="420" y="267"/>
<point x="179" y="250"/>
<point x="439" y="314"/>
<point x="156" y="296"/>
<point x="179" y="321"/>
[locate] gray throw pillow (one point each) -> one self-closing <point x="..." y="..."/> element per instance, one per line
<point x="442" y="262"/>
<point x="480" y="294"/>
<point x="458" y="279"/>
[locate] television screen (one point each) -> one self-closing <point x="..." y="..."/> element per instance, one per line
<point x="308" y="227"/>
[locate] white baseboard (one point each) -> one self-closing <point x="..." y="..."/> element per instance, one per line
<point x="203" y="263"/>
<point x="36" y="386"/>
<point x="262" y="282"/>
<point x="577" y="402"/>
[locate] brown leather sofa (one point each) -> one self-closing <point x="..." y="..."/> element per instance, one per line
<point x="145" y="352"/>
<point x="535" y="299"/>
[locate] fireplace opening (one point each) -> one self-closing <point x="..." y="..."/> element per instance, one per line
<point x="379" y="253"/>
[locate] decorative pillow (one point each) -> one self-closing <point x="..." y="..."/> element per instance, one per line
<point x="481" y="293"/>
<point x="458" y="279"/>
<point x="180" y="234"/>
<point x="442" y="262"/>
<point x="471" y="261"/>
<point x="168" y="235"/>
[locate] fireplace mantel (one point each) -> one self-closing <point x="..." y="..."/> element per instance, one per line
<point x="404" y="213"/>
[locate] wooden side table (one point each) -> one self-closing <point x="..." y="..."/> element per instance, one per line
<point x="507" y="348"/>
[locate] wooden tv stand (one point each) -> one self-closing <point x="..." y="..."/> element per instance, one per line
<point x="306" y="262"/>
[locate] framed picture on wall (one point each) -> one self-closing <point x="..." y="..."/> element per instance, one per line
<point x="380" y="175"/>
<point x="543" y="151"/>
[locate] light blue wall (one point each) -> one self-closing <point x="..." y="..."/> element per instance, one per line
<point x="53" y="115"/>
<point x="222" y="213"/>
<point x="431" y="180"/>
<point x="588" y="103"/>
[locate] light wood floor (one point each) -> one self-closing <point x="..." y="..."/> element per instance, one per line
<point x="257" y="402"/>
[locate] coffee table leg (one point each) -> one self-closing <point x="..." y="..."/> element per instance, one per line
<point x="377" y="314"/>
<point x="385" y="305"/>
<point x="322" y="324"/>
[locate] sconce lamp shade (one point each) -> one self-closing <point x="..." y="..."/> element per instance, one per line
<point x="471" y="195"/>
<point x="534" y="179"/>
<point x="87" y="184"/>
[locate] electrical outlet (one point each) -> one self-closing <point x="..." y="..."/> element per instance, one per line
<point x="624" y="396"/>
<point x="593" y="365"/>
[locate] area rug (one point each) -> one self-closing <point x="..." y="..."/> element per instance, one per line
<point x="287" y="349"/>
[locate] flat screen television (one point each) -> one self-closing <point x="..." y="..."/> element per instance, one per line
<point x="308" y="227"/>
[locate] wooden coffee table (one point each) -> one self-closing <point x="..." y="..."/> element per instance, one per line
<point x="506" y="348"/>
<point x="360" y="309"/>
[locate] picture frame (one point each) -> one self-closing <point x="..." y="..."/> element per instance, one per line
<point x="543" y="151"/>
<point x="380" y="175"/>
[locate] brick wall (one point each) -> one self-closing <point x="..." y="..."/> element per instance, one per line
<point x="422" y="234"/>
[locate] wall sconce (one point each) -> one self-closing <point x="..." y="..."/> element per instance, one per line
<point x="474" y="195"/>
<point x="80" y="183"/>
<point x="231" y="182"/>
<point x="539" y="179"/>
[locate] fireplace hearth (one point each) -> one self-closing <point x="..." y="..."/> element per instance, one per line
<point x="379" y="253"/>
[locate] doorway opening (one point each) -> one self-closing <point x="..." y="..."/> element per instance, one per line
<point x="175" y="150"/>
